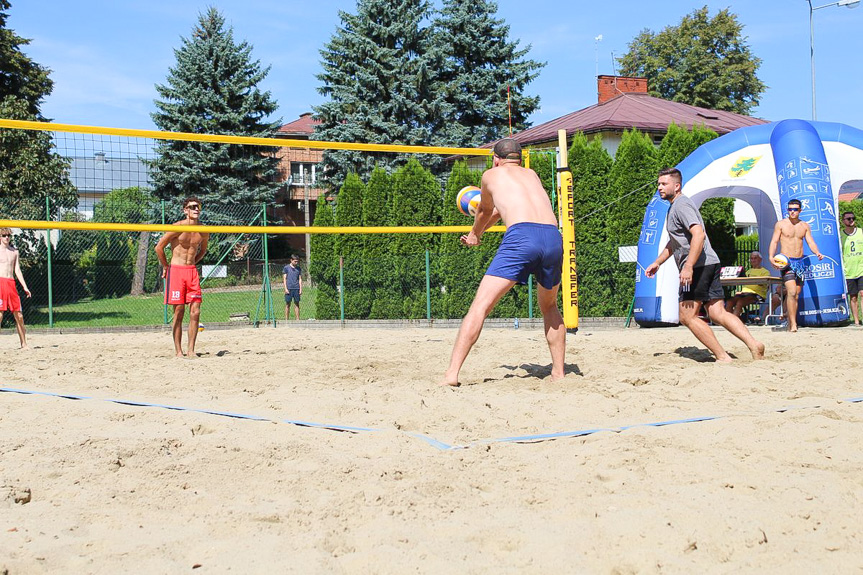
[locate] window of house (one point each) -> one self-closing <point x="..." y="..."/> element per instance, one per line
<point x="302" y="173"/>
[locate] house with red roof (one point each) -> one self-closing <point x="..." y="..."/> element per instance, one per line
<point x="297" y="201"/>
<point x="623" y="103"/>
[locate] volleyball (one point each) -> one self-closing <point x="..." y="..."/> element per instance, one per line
<point x="200" y="327"/>
<point x="780" y="260"/>
<point x="467" y="200"/>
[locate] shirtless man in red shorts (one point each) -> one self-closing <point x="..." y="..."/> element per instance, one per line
<point x="182" y="283"/>
<point x="9" y="300"/>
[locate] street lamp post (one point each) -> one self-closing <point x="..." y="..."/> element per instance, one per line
<point x="812" y="9"/>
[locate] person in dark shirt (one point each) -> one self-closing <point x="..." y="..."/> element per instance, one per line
<point x="698" y="267"/>
<point x="293" y="280"/>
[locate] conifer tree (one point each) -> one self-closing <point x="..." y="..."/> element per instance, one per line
<point x="460" y="268"/>
<point x="376" y="254"/>
<point x="416" y="201"/>
<point x="30" y="170"/>
<point x="213" y="89"/>
<point x="21" y="77"/>
<point x="479" y="62"/>
<point x="632" y="183"/>
<point x="378" y="77"/>
<point x="324" y="265"/>
<point x="349" y="212"/>
<point x="590" y="165"/>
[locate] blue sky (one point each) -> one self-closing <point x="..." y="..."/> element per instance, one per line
<point x="107" y="55"/>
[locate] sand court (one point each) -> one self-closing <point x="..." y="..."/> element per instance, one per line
<point x="773" y="482"/>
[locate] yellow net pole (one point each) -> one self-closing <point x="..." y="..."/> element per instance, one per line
<point x="569" y="281"/>
<point x="115" y="227"/>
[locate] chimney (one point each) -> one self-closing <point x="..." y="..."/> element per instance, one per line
<point x="608" y="87"/>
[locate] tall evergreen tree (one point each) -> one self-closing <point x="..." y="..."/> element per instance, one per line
<point x="213" y="89"/>
<point x="21" y="77"/>
<point x="349" y="212"/>
<point x="590" y="165"/>
<point x="324" y="265"/>
<point x="479" y="63"/>
<point x="702" y="61"/>
<point x="416" y="201"/>
<point x="378" y="75"/>
<point x="376" y="254"/>
<point x="30" y="170"/>
<point x="632" y="182"/>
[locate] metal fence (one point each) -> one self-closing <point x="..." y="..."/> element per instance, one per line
<point x="82" y="279"/>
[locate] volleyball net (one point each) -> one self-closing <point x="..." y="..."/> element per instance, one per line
<point x="376" y="226"/>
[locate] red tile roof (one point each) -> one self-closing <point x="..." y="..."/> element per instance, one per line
<point x="632" y="110"/>
<point x="302" y="126"/>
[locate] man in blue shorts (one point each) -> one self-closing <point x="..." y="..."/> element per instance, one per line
<point x="532" y="244"/>
<point x="788" y="235"/>
<point x="699" y="268"/>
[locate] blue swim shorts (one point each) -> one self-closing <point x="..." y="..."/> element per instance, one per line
<point x="529" y="248"/>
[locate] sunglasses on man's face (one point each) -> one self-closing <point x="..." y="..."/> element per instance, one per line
<point x="5" y="235"/>
<point x="793" y="209"/>
<point x="193" y="207"/>
<point x="849" y="219"/>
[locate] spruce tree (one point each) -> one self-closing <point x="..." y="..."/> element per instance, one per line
<point x="378" y="77"/>
<point x="479" y="62"/>
<point x="213" y="89"/>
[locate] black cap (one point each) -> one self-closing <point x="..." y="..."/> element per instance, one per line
<point x="508" y="149"/>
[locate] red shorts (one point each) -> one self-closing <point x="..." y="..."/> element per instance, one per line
<point x="9" y="300"/>
<point x="183" y="285"/>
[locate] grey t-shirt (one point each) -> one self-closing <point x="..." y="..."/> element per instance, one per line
<point x="681" y="216"/>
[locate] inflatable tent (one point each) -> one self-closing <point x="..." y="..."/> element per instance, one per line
<point x="764" y="166"/>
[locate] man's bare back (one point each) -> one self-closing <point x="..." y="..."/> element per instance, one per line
<point x="518" y="195"/>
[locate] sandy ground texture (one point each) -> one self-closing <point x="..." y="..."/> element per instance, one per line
<point x="773" y="484"/>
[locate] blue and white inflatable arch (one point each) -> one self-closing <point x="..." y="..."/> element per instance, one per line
<point x="765" y="166"/>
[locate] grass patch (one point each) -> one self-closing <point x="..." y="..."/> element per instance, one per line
<point x="149" y="309"/>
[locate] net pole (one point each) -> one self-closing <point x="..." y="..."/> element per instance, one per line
<point x="342" y="289"/>
<point x="428" y="287"/>
<point x="269" y="296"/>
<point x="165" y="286"/>
<point x="570" y="272"/>
<point x="50" y="274"/>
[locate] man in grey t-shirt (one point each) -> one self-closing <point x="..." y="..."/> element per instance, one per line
<point x="292" y="277"/>
<point x="699" y="271"/>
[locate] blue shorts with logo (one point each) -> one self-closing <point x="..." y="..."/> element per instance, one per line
<point x="529" y="248"/>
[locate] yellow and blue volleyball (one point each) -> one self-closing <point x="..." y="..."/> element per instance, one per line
<point x="780" y="260"/>
<point x="467" y="200"/>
